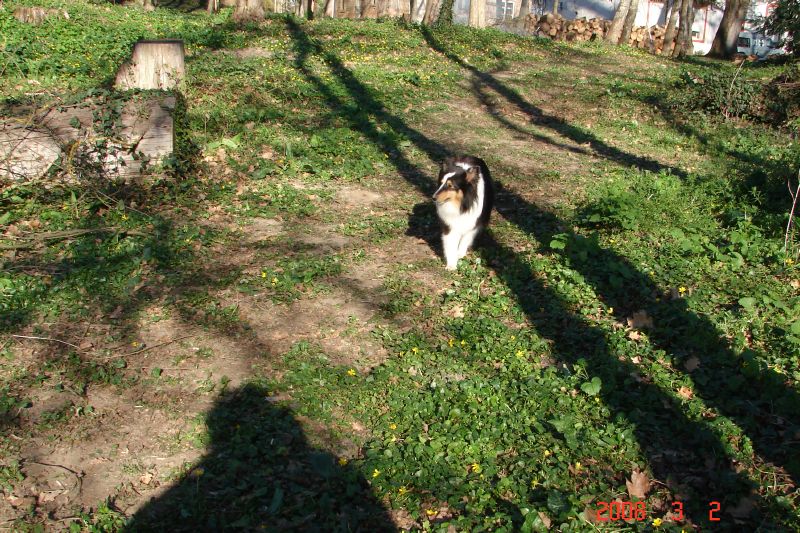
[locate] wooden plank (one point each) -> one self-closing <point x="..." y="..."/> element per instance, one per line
<point x="145" y="131"/>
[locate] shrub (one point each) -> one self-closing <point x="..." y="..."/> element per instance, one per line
<point x="722" y="93"/>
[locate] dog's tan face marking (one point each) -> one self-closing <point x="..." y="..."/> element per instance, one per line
<point x="453" y="196"/>
<point x="449" y="193"/>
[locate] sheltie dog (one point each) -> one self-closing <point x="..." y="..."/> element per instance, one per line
<point x="464" y="202"/>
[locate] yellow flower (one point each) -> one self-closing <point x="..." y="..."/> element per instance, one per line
<point x="547" y="453"/>
<point x="577" y="466"/>
<point x="520" y="353"/>
<point x="513" y="337"/>
<point x="789" y="261"/>
<point x="450" y="343"/>
<point x="681" y="289"/>
<point x="376" y="473"/>
<point x="402" y="490"/>
<point x="125" y="217"/>
<point x="463" y="343"/>
<point x="415" y="350"/>
<point x="476" y="468"/>
<point x="263" y="274"/>
<point x="392" y="426"/>
<point x="351" y="372"/>
<point x="274" y="281"/>
<point x="430" y="512"/>
<point x="610" y="310"/>
<point x="535" y="482"/>
<point x="134" y="344"/>
<point x="342" y="461"/>
<point x="657" y="522"/>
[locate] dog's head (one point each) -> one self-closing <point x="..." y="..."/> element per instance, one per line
<point x="455" y="182"/>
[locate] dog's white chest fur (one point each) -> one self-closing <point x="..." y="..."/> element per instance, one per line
<point x="459" y="222"/>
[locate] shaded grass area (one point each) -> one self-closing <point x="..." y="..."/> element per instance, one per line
<point x="520" y="396"/>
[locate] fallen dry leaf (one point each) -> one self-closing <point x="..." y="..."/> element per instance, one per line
<point x="49" y="495"/>
<point x="691" y="364"/>
<point x="457" y="311"/>
<point x="146" y="478"/>
<point x="640" y="320"/>
<point x="403" y="519"/>
<point x="686" y="392"/>
<point x="634" y="335"/>
<point x="638" y="485"/>
<point x="636" y="359"/>
<point x="545" y="519"/>
<point x="14" y="500"/>
<point x="358" y="426"/>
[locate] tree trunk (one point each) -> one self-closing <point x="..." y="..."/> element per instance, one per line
<point x="248" y="11"/>
<point x="445" y="13"/>
<point x="669" y="34"/>
<point x="612" y="36"/>
<point x="153" y="65"/>
<point x="680" y="44"/>
<point x="630" y="18"/>
<point x="330" y="8"/>
<point x="524" y="11"/>
<point x="555" y="6"/>
<point x="688" y="44"/>
<point x="431" y="11"/>
<point x="477" y="13"/>
<point x="724" y="45"/>
<point x="213" y="6"/>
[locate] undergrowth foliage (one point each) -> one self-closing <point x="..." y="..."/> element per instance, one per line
<point x="648" y="324"/>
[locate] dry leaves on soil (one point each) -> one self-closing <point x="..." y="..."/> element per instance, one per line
<point x="638" y="485"/>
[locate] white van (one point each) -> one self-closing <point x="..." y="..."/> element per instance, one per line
<point x="757" y="44"/>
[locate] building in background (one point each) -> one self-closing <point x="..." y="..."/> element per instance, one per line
<point x="651" y="12"/>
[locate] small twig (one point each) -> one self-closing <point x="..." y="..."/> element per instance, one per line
<point x="49" y="339"/>
<point x="37" y="238"/>
<point x="71" y="471"/>
<point x="78" y="475"/>
<point x="145" y="348"/>
<point x="66" y="234"/>
<point x="730" y="89"/>
<point x="794" y="196"/>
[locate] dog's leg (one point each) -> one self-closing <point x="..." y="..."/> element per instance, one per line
<point x="466" y="241"/>
<point x="450" y="242"/>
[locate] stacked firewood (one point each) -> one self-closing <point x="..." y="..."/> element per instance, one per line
<point x="561" y="29"/>
<point x="556" y="27"/>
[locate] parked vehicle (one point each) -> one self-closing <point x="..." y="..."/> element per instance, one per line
<point x="757" y="44"/>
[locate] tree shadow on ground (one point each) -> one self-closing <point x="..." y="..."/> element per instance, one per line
<point x="689" y="451"/>
<point x="262" y="473"/>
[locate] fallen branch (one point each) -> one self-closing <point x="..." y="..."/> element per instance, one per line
<point x="38" y="238"/>
<point x="48" y="339"/>
<point x="109" y="357"/>
<point x="794" y="195"/>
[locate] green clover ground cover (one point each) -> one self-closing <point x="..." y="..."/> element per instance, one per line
<point x="537" y="399"/>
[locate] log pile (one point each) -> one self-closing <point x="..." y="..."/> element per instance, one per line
<point x="556" y="27"/>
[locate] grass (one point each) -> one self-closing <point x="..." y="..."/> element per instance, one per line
<point x="631" y="310"/>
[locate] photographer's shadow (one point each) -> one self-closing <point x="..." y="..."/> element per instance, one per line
<point x="261" y="474"/>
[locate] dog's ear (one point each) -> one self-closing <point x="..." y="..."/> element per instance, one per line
<point x="472" y="174"/>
